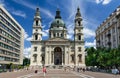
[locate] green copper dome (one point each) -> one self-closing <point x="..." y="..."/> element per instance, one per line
<point x="57" y="23"/>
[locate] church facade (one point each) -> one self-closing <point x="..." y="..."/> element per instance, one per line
<point x="57" y="49"/>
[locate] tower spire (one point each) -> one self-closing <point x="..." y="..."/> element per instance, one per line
<point x="58" y="14"/>
<point x="37" y="12"/>
<point x="78" y="14"/>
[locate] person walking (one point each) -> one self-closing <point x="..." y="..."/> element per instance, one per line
<point x="44" y="70"/>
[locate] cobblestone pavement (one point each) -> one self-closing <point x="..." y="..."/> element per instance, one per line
<point x="56" y="73"/>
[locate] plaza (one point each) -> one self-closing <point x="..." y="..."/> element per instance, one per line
<point x="56" y="73"/>
<point x="67" y="38"/>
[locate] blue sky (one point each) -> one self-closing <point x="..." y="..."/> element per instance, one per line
<point x="93" y="13"/>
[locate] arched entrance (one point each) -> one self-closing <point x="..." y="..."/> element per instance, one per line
<point x="57" y="56"/>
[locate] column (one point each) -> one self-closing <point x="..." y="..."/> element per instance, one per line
<point x="62" y="57"/>
<point x="46" y="56"/>
<point x="75" y="56"/>
<point x="53" y="58"/>
<point x="50" y="57"/>
<point x="68" y="55"/>
<point x="65" y="54"/>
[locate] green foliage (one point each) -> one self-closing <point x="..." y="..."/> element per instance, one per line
<point x="104" y="57"/>
<point x="26" y="62"/>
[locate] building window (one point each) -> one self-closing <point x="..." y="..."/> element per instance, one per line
<point x="36" y="22"/>
<point x="72" y="49"/>
<point x="43" y="58"/>
<point x="61" y="35"/>
<point x="57" y="34"/>
<point x="72" y="58"/>
<point x="35" y="48"/>
<point x="35" y="58"/>
<point x="54" y="34"/>
<point x="57" y="21"/>
<point x="79" y="49"/>
<point x="36" y="30"/>
<point x="79" y="37"/>
<point x="108" y="23"/>
<point x="43" y="49"/>
<point x="113" y="29"/>
<point x="80" y="57"/>
<point x="79" y="23"/>
<point x="36" y="37"/>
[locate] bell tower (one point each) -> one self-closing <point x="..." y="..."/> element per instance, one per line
<point x="78" y="30"/>
<point x="37" y="28"/>
<point x="79" y="40"/>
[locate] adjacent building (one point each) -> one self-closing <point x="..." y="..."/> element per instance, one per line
<point x="11" y="39"/>
<point x="108" y="33"/>
<point x="57" y="50"/>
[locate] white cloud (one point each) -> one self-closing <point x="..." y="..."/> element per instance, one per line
<point x="24" y="3"/>
<point x="88" y="33"/>
<point x="18" y="13"/>
<point x="90" y="44"/>
<point x="12" y="10"/>
<point x="47" y="12"/>
<point x="26" y="37"/>
<point x="98" y="1"/>
<point x="29" y="38"/>
<point x="32" y="6"/>
<point x="2" y="2"/>
<point x="104" y="2"/>
<point x="27" y="52"/>
<point x="70" y="28"/>
<point x="45" y="32"/>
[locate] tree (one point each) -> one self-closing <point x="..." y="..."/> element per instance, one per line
<point x="103" y="57"/>
<point x="26" y="62"/>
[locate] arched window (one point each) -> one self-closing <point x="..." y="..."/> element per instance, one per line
<point x="79" y="49"/>
<point x="43" y="58"/>
<point x="79" y="37"/>
<point x="54" y="34"/>
<point x="57" y="21"/>
<point x="78" y="23"/>
<point x="36" y="22"/>
<point x="36" y="37"/>
<point x="57" y="34"/>
<point x="72" y="58"/>
<point x="80" y="58"/>
<point x="61" y="35"/>
<point x="35" y="48"/>
<point x="35" y="57"/>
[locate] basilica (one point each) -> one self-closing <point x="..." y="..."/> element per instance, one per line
<point x="57" y="50"/>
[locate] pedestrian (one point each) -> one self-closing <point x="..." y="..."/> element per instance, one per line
<point x="77" y="69"/>
<point x="83" y="69"/>
<point x="65" y="69"/>
<point x="44" y="70"/>
<point x="36" y="71"/>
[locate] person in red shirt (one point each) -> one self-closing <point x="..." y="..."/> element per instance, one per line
<point x="44" y="70"/>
